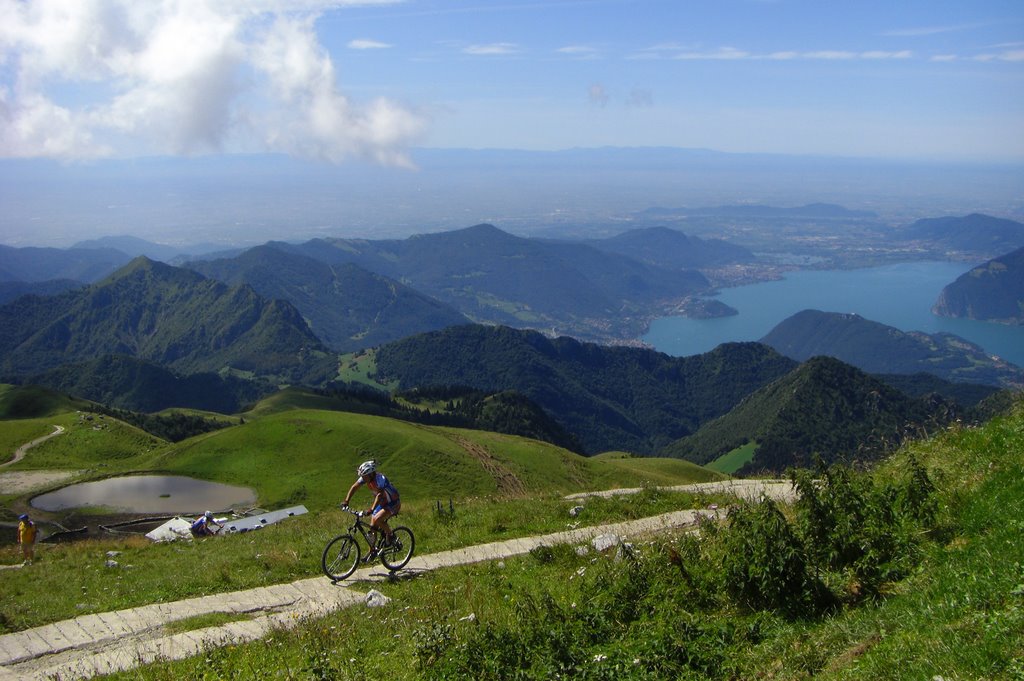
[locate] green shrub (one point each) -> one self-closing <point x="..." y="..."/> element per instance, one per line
<point x="764" y="561"/>
<point x="869" y="528"/>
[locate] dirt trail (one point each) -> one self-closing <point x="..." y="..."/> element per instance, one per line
<point x="108" y="642"/>
<point x="508" y="482"/>
<point x="20" y="453"/>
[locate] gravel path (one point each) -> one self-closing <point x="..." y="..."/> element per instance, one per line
<point x="117" y="641"/>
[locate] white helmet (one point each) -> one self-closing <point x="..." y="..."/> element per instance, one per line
<point x="208" y="514"/>
<point x="367" y="468"/>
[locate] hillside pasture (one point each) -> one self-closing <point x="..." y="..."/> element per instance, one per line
<point x="310" y="456"/>
<point x="732" y="461"/>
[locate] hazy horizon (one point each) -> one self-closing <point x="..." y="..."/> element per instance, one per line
<point x="245" y="200"/>
<point x="118" y="117"/>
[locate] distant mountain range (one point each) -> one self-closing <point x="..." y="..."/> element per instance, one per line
<point x="495" y="277"/>
<point x="134" y="247"/>
<point x="993" y="291"/>
<point x="880" y="349"/>
<point x="671" y="249"/>
<point x="171" y="316"/>
<point x="83" y="265"/>
<point x="346" y="306"/>
<point x="824" y="211"/>
<point x="226" y="331"/>
<point x="196" y="342"/>
<point x="974" y="233"/>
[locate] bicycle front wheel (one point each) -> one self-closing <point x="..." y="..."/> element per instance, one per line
<point x="398" y="554"/>
<point x="341" y="556"/>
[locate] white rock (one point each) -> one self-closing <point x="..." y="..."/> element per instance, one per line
<point x="603" y="542"/>
<point x="375" y="599"/>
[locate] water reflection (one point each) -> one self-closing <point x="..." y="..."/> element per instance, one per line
<point x="147" y="494"/>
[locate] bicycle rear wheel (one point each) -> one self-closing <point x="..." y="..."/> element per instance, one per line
<point x="341" y="556"/>
<point x="398" y="554"/>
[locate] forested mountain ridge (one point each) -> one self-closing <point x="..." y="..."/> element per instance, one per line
<point x="171" y="316"/>
<point x="610" y="398"/>
<point x="824" y="408"/>
<point x="123" y="382"/>
<point x="880" y="349"/>
<point x="993" y="291"/>
<point x="495" y="277"/>
<point x="347" y="307"/>
<point x="672" y="249"/>
<point x="11" y="290"/>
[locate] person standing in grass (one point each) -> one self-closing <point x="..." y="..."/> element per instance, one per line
<point x="27" y="538"/>
<point x="386" y="502"/>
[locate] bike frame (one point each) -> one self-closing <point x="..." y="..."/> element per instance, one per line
<point x="364" y="528"/>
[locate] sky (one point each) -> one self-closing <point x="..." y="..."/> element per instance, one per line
<point x="342" y="80"/>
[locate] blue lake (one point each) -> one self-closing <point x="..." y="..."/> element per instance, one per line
<point x="897" y="295"/>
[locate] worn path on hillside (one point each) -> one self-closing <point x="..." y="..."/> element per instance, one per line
<point x="19" y="454"/>
<point x="20" y="482"/>
<point x="116" y="641"/>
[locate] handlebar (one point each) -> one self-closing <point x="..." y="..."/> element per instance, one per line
<point x="358" y="514"/>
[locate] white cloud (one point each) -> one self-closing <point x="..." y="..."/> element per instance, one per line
<point x="598" y="95"/>
<point x="1011" y="55"/>
<point x="732" y="53"/>
<point x="1005" y="55"/>
<point x="167" y="76"/>
<point x="919" y="31"/>
<point x="881" y="54"/>
<point x="829" y="54"/>
<point x="579" y="51"/>
<point x="492" y="49"/>
<point x="366" y="44"/>
<point x="720" y="53"/>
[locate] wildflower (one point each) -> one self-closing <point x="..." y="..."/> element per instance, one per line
<point x="600" y="657"/>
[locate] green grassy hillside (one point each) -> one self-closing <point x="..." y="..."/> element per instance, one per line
<point x="950" y="605"/>
<point x="29" y="402"/>
<point x="308" y="456"/>
<point x="500" y="486"/>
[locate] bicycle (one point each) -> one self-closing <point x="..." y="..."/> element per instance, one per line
<point x="341" y="555"/>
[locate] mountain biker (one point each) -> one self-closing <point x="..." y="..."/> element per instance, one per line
<point x="386" y="502"/>
<point x="201" y="526"/>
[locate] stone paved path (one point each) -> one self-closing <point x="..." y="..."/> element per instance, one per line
<point x="752" y="490"/>
<point x="108" y="642"/>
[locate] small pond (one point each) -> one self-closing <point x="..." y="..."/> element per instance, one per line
<point x="147" y="494"/>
